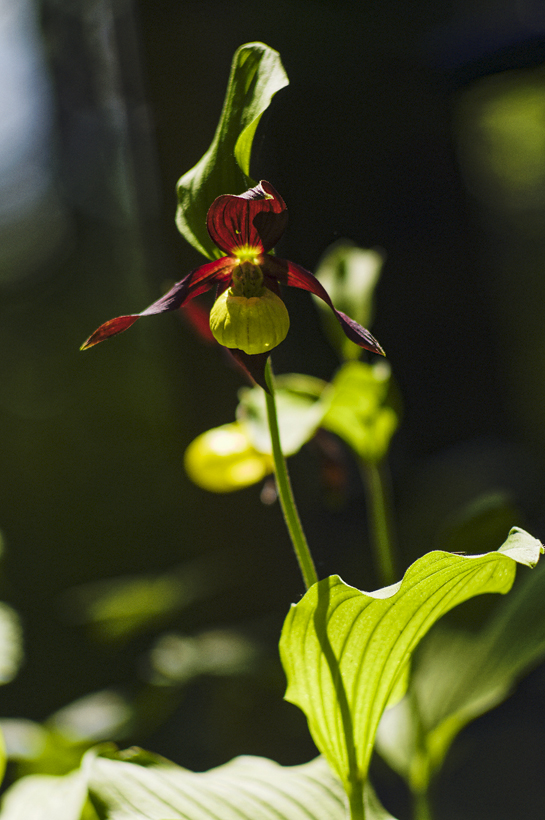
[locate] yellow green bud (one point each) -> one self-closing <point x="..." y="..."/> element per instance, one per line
<point x="254" y="325"/>
<point x="224" y="459"/>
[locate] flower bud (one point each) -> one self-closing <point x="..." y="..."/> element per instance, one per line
<point x="254" y="325"/>
<point x="223" y="459"/>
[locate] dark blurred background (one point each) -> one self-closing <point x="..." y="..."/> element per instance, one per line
<point x="413" y="127"/>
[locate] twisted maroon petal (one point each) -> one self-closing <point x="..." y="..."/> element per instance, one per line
<point x="256" y="218"/>
<point x="288" y="273"/>
<point x="196" y="282"/>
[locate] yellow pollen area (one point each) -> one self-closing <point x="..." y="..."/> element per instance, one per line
<point x="246" y="253"/>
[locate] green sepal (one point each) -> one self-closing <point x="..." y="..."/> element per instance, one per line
<point x="256" y="75"/>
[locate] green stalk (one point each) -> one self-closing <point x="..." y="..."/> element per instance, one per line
<point x="421" y="806"/>
<point x="285" y="494"/>
<point x="380" y="520"/>
<point x="355" y="801"/>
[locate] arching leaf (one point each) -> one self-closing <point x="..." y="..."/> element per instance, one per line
<point x="344" y="650"/>
<point x="256" y="75"/>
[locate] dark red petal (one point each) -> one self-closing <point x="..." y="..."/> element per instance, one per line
<point x="288" y="273"/>
<point x="195" y="283"/>
<point x="256" y="218"/>
<point x="109" y="329"/>
<point x="192" y="285"/>
<point x="252" y="364"/>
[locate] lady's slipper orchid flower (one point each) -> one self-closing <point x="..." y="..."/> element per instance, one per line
<point x="248" y="316"/>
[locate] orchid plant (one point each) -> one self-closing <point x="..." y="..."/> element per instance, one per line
<point x="349" y="656"/>
<point x="248" y="317"/>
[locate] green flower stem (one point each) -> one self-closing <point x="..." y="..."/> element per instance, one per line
<point x="355" y="800"/>
<point x="380" y="519"/>
<point x="285" y="494"/>
<point x="421" y="806"/>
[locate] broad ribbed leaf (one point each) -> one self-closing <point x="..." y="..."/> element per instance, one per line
<point x="458" y="676"/>
<point x="147" y="787"/>
<point x="138" y="785"/>
<point x="343" y="650"/>
<point x="256" y="75"/>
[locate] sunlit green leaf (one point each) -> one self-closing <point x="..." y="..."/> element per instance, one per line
<point x="138" y="785"/>
<point x="46" y="797"/>
<point x="357" y="411"/>
<point x="11" y="643"/>
<point x="57" y="755"/>
<point x="350" y="275"/>
<point x="146" y="787"/>
<point x="344" y="650"/>
<point x="3" y="756"/>
<point x="256" y="75"/>
<point x="301" y="402"/>
<point x="459" y="675"/>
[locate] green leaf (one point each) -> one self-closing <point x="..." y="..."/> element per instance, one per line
<point x="3" y="756"/>
<point x="344" y="650"/>
<point x="44" y="797"/>
<point x="301" y="402"/>
<point x="138" y="785"/>
<point x="11" y="643"/>
<point x="11" y="656"/>
<point x="147" y="787"/>
<point x="256" y="75"/>
<point x="358" y="412"/>
<point x="459" y="675"/>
